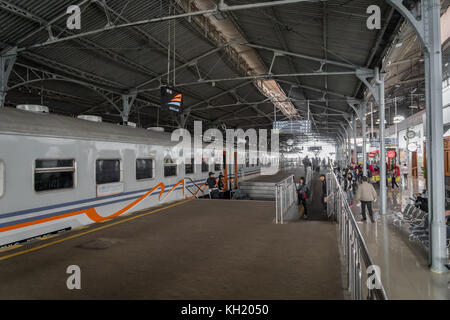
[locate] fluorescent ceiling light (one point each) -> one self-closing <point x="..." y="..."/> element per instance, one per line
<point x="398" y="119"/>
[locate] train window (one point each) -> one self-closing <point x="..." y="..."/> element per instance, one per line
<point x="205" y="164"/>
<point x="217" y="167"/>
<point x="54" y="174"/>
<point x="107" y="171"/>
<point x="144" y="169"/>
<point x="189" y="167"/>
<point x="2" y="178"/>
<point x="170" y="167"/>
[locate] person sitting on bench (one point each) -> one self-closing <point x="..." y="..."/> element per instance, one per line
<point x="211" y="182"/>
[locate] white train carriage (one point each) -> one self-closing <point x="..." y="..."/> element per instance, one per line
<point x="58" y="172"/>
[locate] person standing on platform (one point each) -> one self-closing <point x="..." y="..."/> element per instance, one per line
<point x="366" y="194"/>
<point x="348" y="188"/>
<point x="302" y="195"/>
<point x="324" y="192"/>
<point x="405" y="172"/>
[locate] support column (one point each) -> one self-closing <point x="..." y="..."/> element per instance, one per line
<point x="127" y="101"/>
<point x="355" y="153"/>
<point x="7" y="61"/>
<point x="434" y="132"/>
<point x="379" y="80"/>
<point x="362" y="116"/>
<point x="347" y="143"/>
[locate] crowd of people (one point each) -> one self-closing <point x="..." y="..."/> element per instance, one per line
<point x="216" y="186"/>
<point x="357" y="187"/>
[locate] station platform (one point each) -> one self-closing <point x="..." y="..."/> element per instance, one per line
<point x="404" y="264"/>
<point x="193" y="249"/>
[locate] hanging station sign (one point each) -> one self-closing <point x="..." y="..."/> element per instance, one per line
<point x="374" y="143"/>
<point x="171" y="100"/>
<point x="293" y="126"/>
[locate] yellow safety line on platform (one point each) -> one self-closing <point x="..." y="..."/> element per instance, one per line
<point x="90" y="231"/>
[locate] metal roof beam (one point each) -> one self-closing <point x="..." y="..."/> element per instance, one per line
<point x="221" y="8"/>
<point x="191" y="108"/>
<point x="302" y="56"/>
<point x="271" y="76"/>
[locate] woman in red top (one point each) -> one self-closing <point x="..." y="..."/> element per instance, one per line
<point x="395" y="174"/>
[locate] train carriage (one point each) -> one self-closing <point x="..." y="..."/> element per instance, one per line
<point x="58" y="172"/>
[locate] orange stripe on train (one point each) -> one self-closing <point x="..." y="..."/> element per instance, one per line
<point x="92" y="213"/>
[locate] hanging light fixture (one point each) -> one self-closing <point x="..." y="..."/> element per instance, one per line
<point x="398" y="118"/>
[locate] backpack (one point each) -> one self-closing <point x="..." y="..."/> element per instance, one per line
<point x="308" y="192"/>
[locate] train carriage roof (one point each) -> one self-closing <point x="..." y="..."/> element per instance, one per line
<point x="51" y="125"/>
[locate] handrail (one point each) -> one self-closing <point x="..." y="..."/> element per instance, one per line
<point x="285" y="197"/>
<point x="353" y="244"/>
<point x="198" y="188"/>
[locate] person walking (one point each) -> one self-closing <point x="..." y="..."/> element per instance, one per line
<point x="405" y="172"/>
<point x="324" y="192"/>
<point x="394" y="177"/>
<point x="348" y="188"/>
<point x="302" y="195"/>
<point x="366" y="194"/>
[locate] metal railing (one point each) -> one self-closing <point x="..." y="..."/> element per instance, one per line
<point x="308" y="177"/>
<point x="198" y="189"/>
<point x="285" y="197"/>
<point x="356" y="254"/>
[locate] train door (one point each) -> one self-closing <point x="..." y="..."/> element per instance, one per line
<point x="414" y="163"/>
<point x="447" y="162"/>
<point x="225" y="169"/>
<point x="446" y="156"/>
<point x="235" y="170"/>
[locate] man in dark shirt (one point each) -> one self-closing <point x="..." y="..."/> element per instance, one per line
<point x="324" y="191"/>
<point x="211" y="182"/>
<point x="221" y="186"/>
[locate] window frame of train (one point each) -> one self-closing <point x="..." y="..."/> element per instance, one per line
<point x="171" y="165"/>
<point x="217" y="167"/>
<point x="2" y="178"/>
<point x="152" y="171"/>
<point x="192" y="164"/>
<point x="38" y="170"/>
<point x="108" y="188"/>
<point x="205" y="164"/>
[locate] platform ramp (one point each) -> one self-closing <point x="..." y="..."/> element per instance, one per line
<point x="264" y="186"/>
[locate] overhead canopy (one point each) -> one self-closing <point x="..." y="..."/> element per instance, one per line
<point x="308" y="49"/>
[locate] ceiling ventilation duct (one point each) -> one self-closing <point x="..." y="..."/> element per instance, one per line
<point x="33" y="108"/>
<point x="90" y="118"/>
<point x="229" y="33"/>
<point x="156" y="129"/>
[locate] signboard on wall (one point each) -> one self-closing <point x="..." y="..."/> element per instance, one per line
<point x="391" y="154"/>
<point x="391" y="142"/>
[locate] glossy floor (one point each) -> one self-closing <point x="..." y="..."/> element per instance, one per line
<point x="404" y="264"/>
